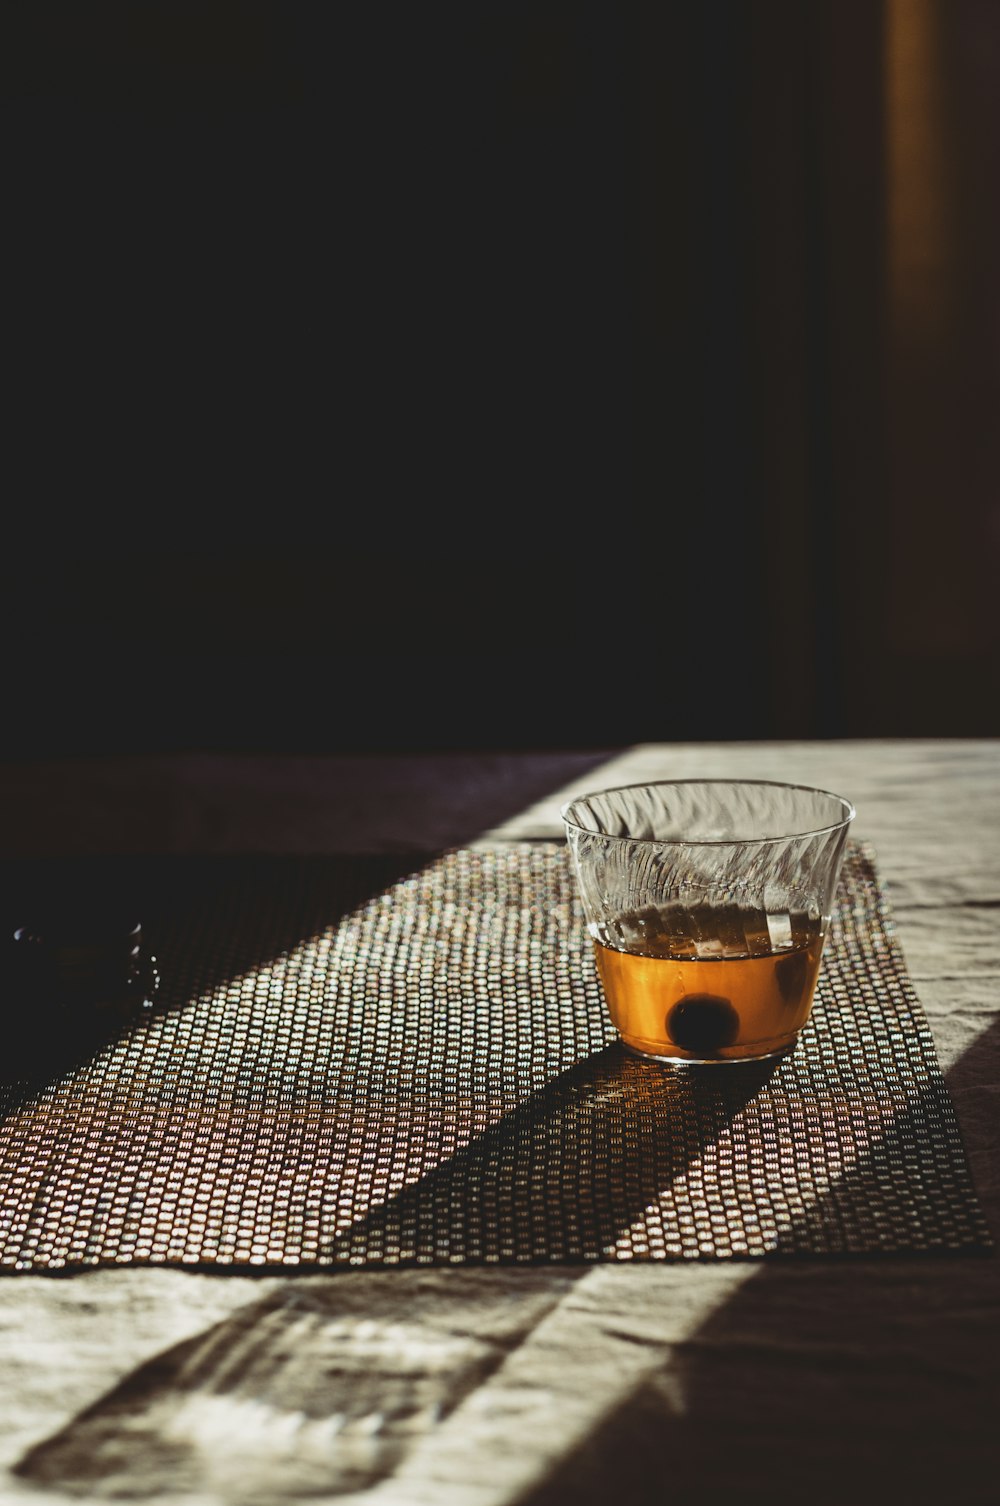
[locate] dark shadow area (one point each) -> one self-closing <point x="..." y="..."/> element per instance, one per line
<point x="453" y="376"/>
<point x="81" y="990"/>
<point x="62" y="1006"/>
<point x="837" y="1381"/>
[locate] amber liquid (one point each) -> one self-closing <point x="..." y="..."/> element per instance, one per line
<point x="742" y="994"/>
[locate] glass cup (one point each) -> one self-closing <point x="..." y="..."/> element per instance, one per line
<point x="708" y="902"/>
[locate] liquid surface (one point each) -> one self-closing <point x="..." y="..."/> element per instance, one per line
<point x="710" y="984"/>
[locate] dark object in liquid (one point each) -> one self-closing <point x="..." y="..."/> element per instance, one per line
<point x="792" y="975"/>
<point x="703" y="1023"/>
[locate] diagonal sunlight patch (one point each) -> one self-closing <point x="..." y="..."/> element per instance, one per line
<point x="432" y="1078"/>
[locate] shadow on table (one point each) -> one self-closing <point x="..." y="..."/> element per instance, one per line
<point x="846" y="1380"/>
<point x="831" y="1380"/>
<point x="367" y="1360"/>
<point x="566" y="1173"/>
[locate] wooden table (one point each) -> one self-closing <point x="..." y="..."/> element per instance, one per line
<point x="833" y="1380"/>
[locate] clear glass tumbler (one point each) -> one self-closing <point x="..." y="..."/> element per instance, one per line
<point x="708" y="902"/>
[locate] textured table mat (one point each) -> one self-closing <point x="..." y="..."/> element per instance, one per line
<point x="358" y="1062"/>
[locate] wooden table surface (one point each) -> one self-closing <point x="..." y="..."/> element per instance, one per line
<point x="841" y="1380"/>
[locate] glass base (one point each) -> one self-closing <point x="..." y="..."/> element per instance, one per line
<point x="665" y="1059"/>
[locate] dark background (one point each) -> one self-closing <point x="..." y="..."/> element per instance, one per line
<point x="498" y="375"/>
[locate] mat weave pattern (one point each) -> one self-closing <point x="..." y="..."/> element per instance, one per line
<point x="352" y="1064"/>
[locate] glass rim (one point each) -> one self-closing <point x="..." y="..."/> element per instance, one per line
<point x="655" y="784"/>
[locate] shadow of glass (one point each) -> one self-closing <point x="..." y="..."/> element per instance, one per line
<point x="563" y="1176"/>
<point x="836" y="1380"/>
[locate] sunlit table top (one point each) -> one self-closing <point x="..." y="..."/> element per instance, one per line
<point x="823" y="1380"/>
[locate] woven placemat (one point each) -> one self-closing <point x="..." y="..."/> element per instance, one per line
<point x="349" y="1063"/>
